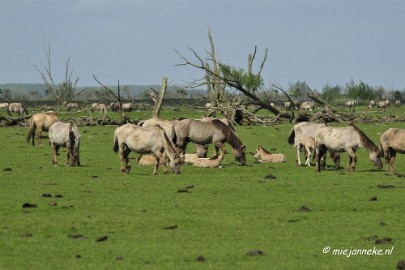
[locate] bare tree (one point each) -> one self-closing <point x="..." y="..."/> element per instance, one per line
<point x="63" y="92"/>
<point x="219" y="75"/>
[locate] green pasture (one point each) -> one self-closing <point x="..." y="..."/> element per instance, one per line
<point x="290" y="213"/>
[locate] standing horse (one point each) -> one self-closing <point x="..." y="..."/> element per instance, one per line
<point x="215" y="132"/>
<point x="166" y="125"/>
<point x="306" y="142"/>
<point x="142" y="140"/>
<point x="65" y="135"/>
<point x="345" y="139"/>
<point x="43" y="121"/>
<point x="392" y="141"/>
<point x="309" y="129"/>
<point x="17" y="108"/>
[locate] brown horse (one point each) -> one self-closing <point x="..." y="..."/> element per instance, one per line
<point x="392" y="141"/>
<point x="212" y="132"/>
<point x="142" y="140"/>
<point x="65" y="135"/>
<point x="43" y="121"/>
<point x="349" y="139"/>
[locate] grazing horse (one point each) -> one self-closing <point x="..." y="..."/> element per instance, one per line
<point x="341" y="139"/>
<point x="309" y="129"/>
<point x="392" y="141"/>
<point x="65" y="135"/>
<point x="42" y="121"/>
<point x="145" y="140"/>
<point x="17" y="108"/>
<point x="215" y="132"/>
<point x="306" y="142"/>
<point x="267" y="157"/>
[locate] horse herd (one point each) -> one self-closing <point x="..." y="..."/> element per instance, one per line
<point x="167" y="141"/>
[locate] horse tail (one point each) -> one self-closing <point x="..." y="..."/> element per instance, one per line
<point x="31" y="133"/>
<point x="72" y="137"/>
<point x="116" y="147"/>
<point x="291" y="136"/>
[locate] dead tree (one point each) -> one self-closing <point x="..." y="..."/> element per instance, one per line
<point x="219" y="75"/>
<point x="158" y="98"/>
<point x="63" y="92"/>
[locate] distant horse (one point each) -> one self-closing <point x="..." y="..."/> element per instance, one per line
<point x="345" y="139"/>
<point x="43" y="121"/>
<point x="71" y="106"/>
<point x="309" y="129"/>
<point x="351" y="104"/>
<point x="306" y="142"/>
<point x="99" y="107"/>
<point x="267" y="157"/>
<point x="392" y="141"/>
<point x="371" y="103"/>
<point x="307" y="106"/>
<point x="212" y="132"/>
<point x="142" y="140"/>
<point x="65" y="135"/>
<point x="17" y="108"/>
<point x="383" y="104"/>
<point x="397" y="103"/>
<point x="4" y="105"/>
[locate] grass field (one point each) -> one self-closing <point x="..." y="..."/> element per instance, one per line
<point x="147" y="222"/>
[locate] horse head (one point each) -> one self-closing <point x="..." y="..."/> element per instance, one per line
<point x="375" y="157"/>
<point x="239" y="154"/>
<point x="176" y="162"/>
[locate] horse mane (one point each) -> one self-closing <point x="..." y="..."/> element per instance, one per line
<point x="167" y="139"/>
<point x="230" y="135"/>
<point x="365" y="141"/>
<point x="264" y="150"/>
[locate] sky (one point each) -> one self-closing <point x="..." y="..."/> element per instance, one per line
<point x="135" y="41"/>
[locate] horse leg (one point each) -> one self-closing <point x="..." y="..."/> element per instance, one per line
<point x="39" y="137"/>
<point x="156" y="167"/>
<point x="54" y="153"/>
<point x="392" y="160"/>
<point x="320" y="153"/>
<point x="351" y="166"/>
<point x="308" y="151"/>
<point x="126" y="159"/>
<point x="298" y="148"/>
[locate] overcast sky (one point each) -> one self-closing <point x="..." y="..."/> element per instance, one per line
<point x="134" y="41"/>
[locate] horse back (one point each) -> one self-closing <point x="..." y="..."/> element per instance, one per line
<point x="393" y="138"/>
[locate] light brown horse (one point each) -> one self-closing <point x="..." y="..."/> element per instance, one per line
<point x="145" y="140"/>
<point x="212" y="132"/>
<point x="213" y="162"/>
<point x="17" y="108"/>
<point x="267" y="157"/>
<point x="65" y="135"/>
<point x="345" y="139"/>
<point x="309" y="129"/>
<point x="392" y="141"/>
<point x="42" y="121"/>
<point x="306" y="142"/>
